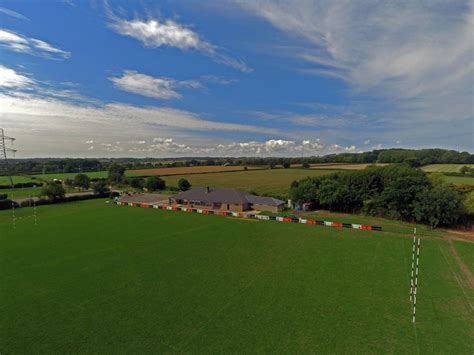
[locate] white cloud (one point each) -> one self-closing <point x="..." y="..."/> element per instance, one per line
<point x="12" y="13"/>
<point x="23" y="44"/>
<point x="367" y="141"/>
<point x="9" y="78"/>
<point x="154" y="33"/>
<point x="415" y="55"/>
<point x="30" y="115"/>
<point x="142" y="84"/>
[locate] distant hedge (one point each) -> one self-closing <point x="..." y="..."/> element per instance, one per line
<point x="21" y="185"/>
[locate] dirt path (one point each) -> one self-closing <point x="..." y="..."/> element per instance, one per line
<point x="468" y="275"/>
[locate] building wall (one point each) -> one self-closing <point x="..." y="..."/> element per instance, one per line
<point x="235" y="208"/>
<point x="268" y="208"/>
<point x="222" y="207"/>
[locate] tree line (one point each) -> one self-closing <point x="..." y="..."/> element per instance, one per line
<point x="412" y="157"/>
<point x="395" y="191"/>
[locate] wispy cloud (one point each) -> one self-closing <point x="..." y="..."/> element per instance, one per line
<point x="146" y="85"/>
<point x="14" y="14"/>
<point x="9" y="78"/>
<point x="154" y="33"/>
<point x="19" y="43"/>
<point x="416" y="56"/>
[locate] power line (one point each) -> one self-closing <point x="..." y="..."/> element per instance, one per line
<point x="4" y="150"/>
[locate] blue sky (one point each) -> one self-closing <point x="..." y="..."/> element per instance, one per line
<point x="233" y="78"/>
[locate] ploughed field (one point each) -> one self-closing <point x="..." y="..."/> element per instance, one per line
<point x="96" y="277"/>
<point x="186" y="170"/>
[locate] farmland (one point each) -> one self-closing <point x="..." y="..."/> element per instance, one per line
<point x="272" y="182"/>
<point x="445" y="168"/>
<point x="4" y="180"/>
<point x="140" y="280"/>
<point x="185" y="170"/>
<point x="344" y="166"/>
<point x="459" y="180"/>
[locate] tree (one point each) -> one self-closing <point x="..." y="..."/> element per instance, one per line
<point x="53" y="191"/>
<point x="438" y="206"/>
<point x="464" y="170"/>
<point x="116" y="173"/>
<point x="68" y="182"/>
<point x="305" y="165"/>
<point x="100" y="187"/>
<point x="82" y="181"/>
<point x="154" y="183"/>
<point x="286" y="164"/>
<point x="137" y="183"/>
<point x="184" y="185"/>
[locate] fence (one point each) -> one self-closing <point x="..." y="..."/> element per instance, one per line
<point x="257" y="216"/>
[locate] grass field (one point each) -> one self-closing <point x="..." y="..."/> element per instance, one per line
<point x="459" y="180"/>
<point x="47" y="177"/>
<point x="445" y="168"/>
<point x="98" y="278"/>
<point x="344" y="166"/>
<point x="273" y="182"/>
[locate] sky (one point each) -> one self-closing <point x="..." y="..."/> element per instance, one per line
<point x="101" y="78"/>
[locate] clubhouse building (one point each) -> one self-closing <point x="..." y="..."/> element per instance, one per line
<point x="225" y="200"/>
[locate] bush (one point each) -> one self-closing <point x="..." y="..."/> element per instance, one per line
<point x="116" y="173"/>
<point x="286" y="164"/>
<point x="184" y="185"/>
<point x="100" y="188"/>
<point x="154" y="183"/>
<point x="438" y="206"/>
<point x="3" y="196"/>
<point x="82" y="181"/>
<point x="53" y="191"/>
<point x="7" y="204"/>
<point x="21" y="185"/>
<point x="137" y="183"/>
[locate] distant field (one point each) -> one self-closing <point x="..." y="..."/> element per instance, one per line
<point x="344" y="166"/>
<point x="459" y="180"/>
<point x="185" y="170"/>
<point x="445" y="168"/>
<point x="47" y="177"/>
<point x="98" y="278"/>
<point x="273" y="182"/>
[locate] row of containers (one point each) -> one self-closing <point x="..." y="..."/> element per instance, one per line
<point x="257" y="216"/>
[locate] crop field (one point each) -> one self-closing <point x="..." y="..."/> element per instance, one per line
<point x="273" y="182"/>
<point x="93" y="277"/>
<point x="345" y="166"/>
<point x="185" y="170"/>
<point x="445" y="168"/>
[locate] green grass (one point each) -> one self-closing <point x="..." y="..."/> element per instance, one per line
<point x="459" y="180"/>
<point x="388" y="225"/>
<point x="4" y="180"/>
<point x="466" y="252"/>
<point x="274" y="182"/>
<point x="445" y="168"/>
<point x="27" y="192"/>
<point x="98" y="278"/>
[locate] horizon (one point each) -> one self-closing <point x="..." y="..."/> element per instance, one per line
<point x="113" y="79"/>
